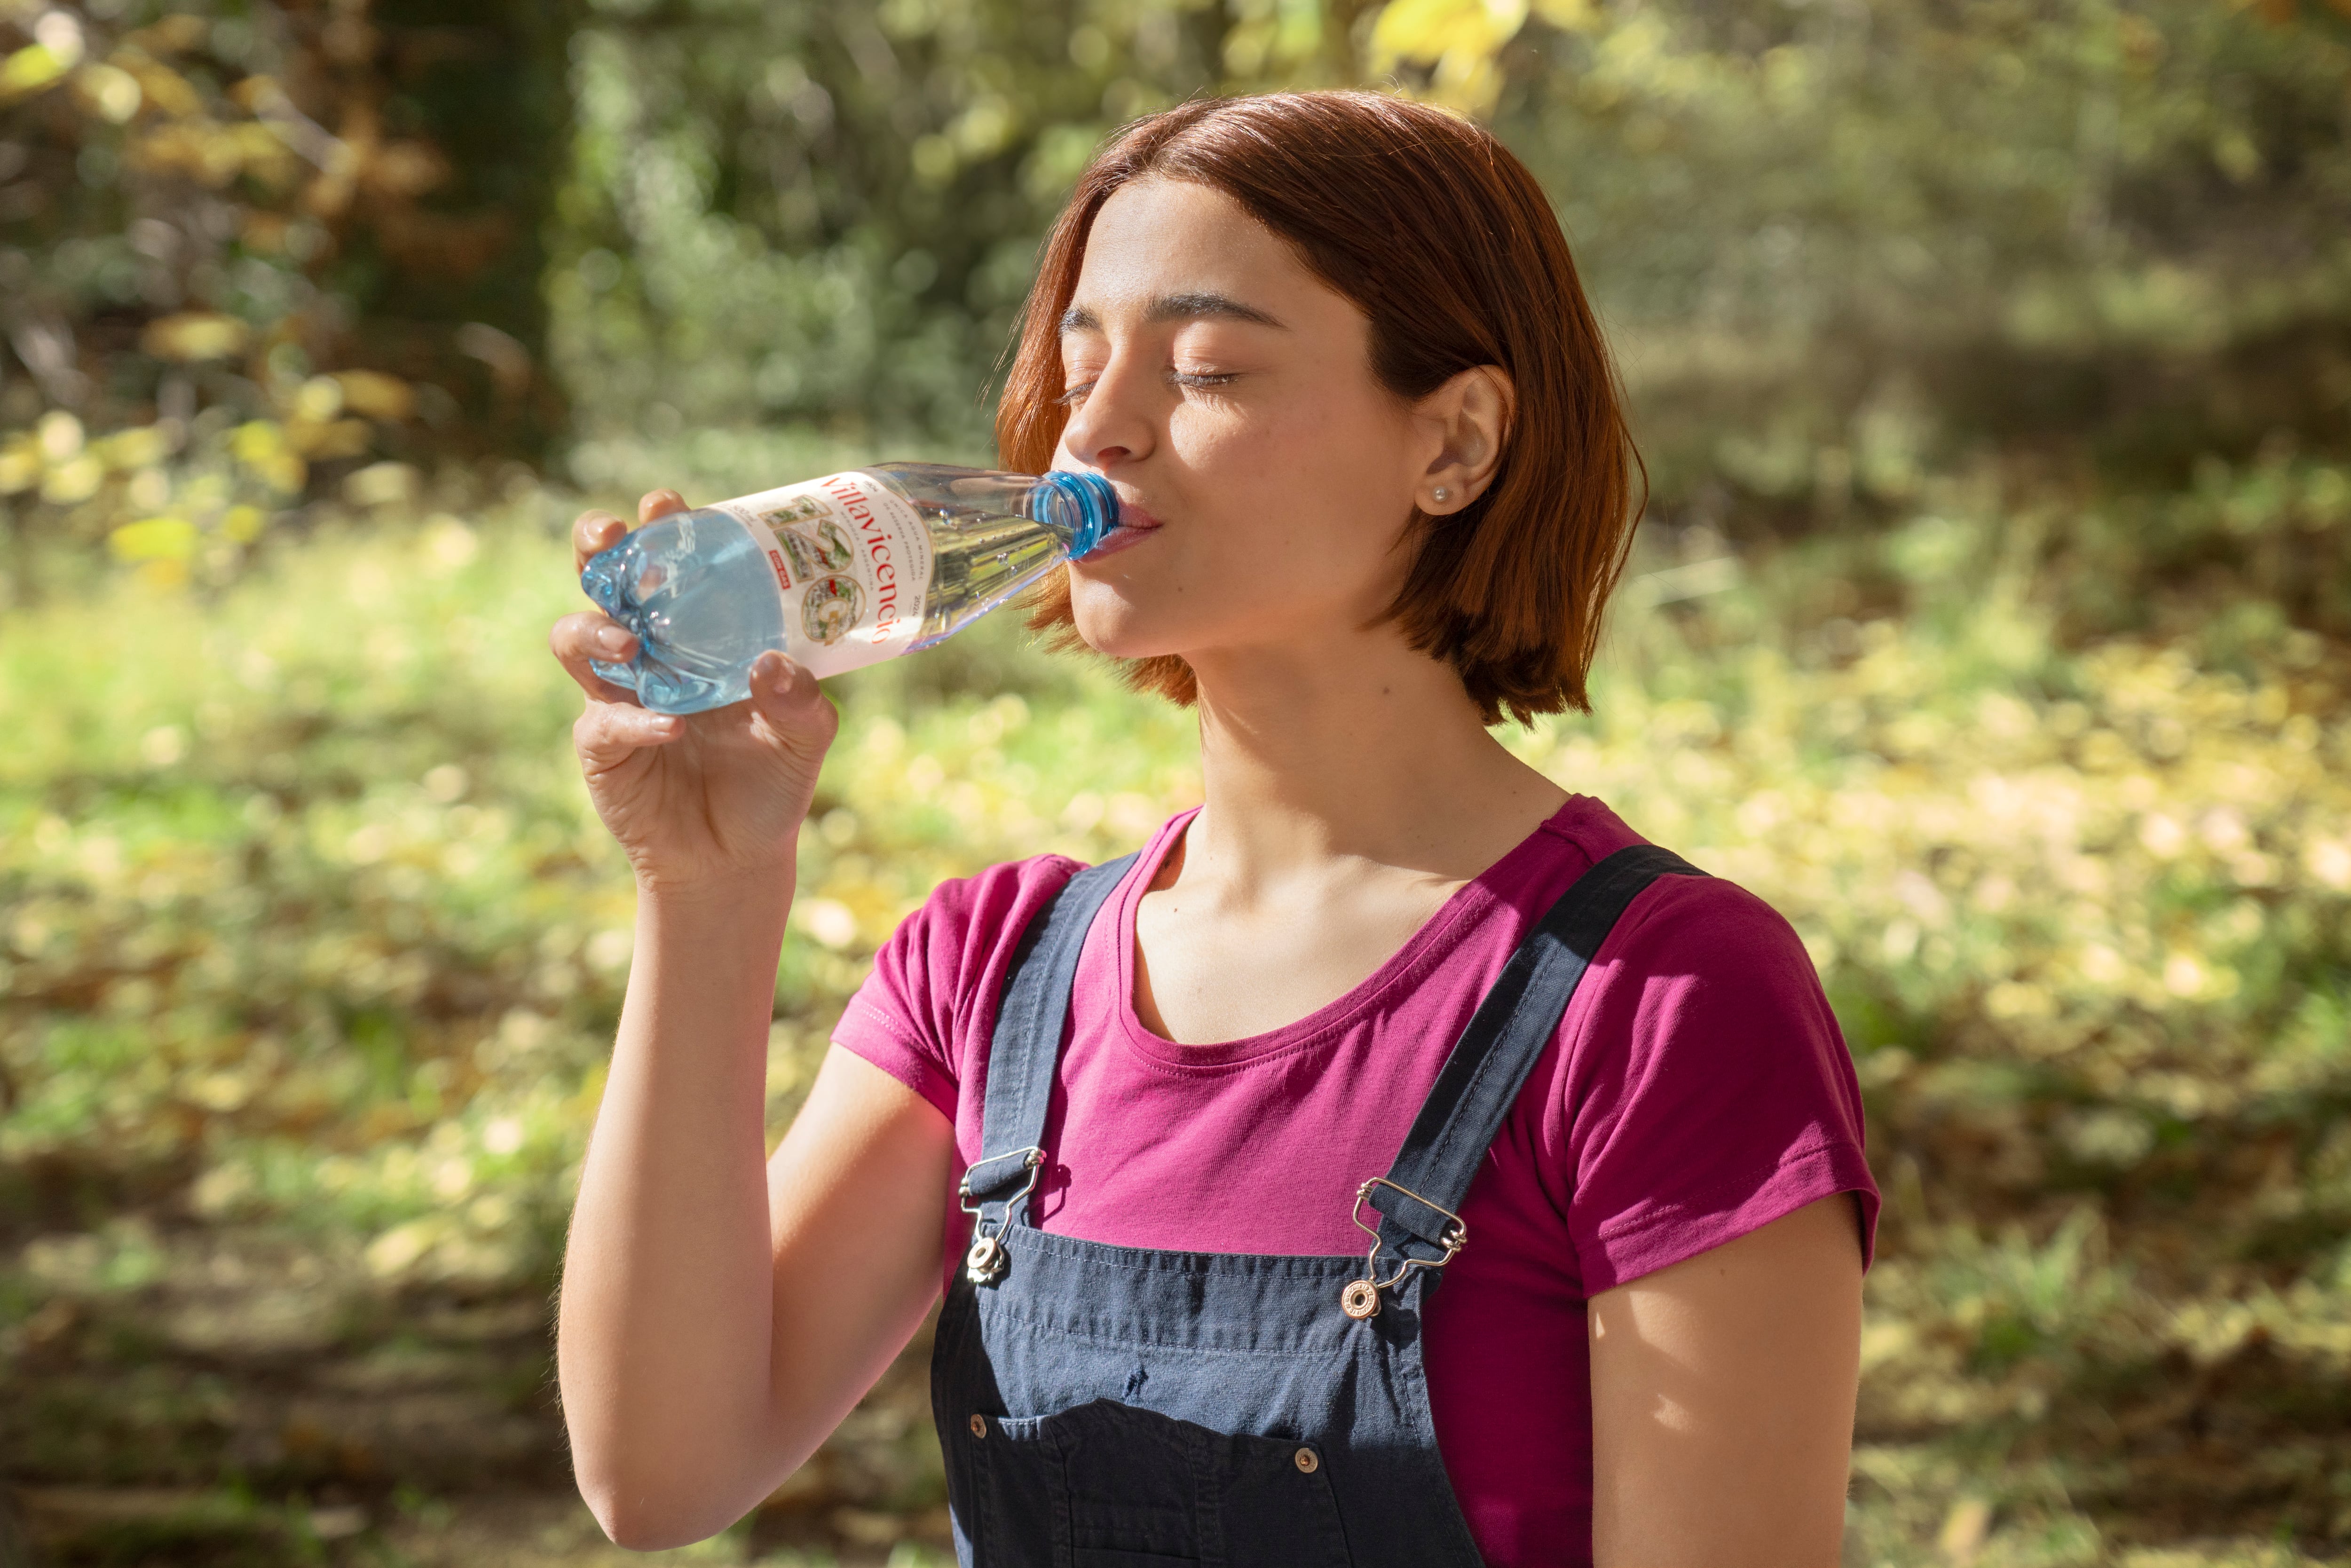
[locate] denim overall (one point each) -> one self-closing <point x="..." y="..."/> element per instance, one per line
<point x="1120" y="1408"/>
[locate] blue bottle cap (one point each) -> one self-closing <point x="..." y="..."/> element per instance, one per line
<point x="1085" y="503"/>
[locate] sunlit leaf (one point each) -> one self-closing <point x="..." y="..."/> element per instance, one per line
<point x="30" y="70"/>
<point x="195" y="335"/>
<point x="20" y="465"/>
<point x="154" y="538"/>
<point x="377" y="395"/>
<point x="113" y="92"/>
<point x="140" y="448"/>
<point x="75" y="479"/>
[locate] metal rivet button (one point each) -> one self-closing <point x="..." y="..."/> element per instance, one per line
<point x="979" y="1425"/>
<point x="1309" y="1461"/>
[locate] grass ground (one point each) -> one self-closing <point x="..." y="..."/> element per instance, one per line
<point x="310" y="948"/>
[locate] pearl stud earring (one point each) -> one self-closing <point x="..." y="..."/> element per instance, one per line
<point x="1441" y="495"/>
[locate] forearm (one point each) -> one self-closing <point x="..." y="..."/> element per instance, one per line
<point x="665" y="1324"/>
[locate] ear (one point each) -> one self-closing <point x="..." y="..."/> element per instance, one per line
<point x="1467" y="420"/>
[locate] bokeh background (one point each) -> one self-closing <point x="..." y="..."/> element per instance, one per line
<point x="1992" y="619"/>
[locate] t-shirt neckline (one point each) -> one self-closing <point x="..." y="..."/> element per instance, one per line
<point x="1425" y="948"/>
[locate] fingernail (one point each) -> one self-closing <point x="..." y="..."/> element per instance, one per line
<point x="613" y="640"/>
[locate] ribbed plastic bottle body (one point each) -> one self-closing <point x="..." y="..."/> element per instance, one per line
<point x="837" y="572"/>
<point x="693" y="588"/>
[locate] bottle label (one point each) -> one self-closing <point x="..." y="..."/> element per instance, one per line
<point x="853" y="561"/>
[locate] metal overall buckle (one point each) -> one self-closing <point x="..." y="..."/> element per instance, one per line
<point x="984" y="1264"/>
<point x="1361" y="1299"/>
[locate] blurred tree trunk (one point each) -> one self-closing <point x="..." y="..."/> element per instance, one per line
<point x="443" y="289"/>
<point x="248" y="252"/>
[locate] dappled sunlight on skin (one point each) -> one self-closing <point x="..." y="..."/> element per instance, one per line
<point x="1732" y="1370"/>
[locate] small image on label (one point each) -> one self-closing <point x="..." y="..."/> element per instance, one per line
<point x="852" y="562"/>
<point x="815" y="548"/>
<point x="831" y="608"/>
<point x="801" y="508"/>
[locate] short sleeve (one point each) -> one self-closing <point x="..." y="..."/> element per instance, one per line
<point x="916" y="1016"/>
<point x="1710" y="1089"/>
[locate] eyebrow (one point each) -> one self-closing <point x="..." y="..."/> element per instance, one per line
<point x="1178" y="307"/>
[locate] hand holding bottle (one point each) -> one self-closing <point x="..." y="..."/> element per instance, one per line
<point x="706" y="802"/>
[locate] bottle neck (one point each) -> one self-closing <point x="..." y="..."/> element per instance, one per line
<point x="1084" y="506"/>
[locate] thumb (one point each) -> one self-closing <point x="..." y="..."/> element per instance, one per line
<point x="788" y="699"/>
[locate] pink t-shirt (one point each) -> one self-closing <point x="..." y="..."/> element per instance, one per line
<point x="1697" y="1090"/>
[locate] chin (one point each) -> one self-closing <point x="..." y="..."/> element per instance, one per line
<point x="1117" y="641"/>
<point x="1111" y="622"/>
<point x="1131" y="619"/>
<point x="1130" y="638"/>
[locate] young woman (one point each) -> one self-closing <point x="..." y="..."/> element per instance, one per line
<point x="1333" y="352"/>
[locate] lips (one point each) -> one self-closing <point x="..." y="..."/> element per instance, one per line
<point x="1134" y="526"/>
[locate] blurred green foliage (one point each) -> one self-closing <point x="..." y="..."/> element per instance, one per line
<point x="1841" y="247"/>
<point x="312" y="939"/>
<point x="1993" y="619"/>
<point x="1851" y="246"/>
<point x="2095" y="251"/>
<point x="255" y="255"/>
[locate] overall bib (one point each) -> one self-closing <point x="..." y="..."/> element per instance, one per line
<point x="1108" y="1406"/>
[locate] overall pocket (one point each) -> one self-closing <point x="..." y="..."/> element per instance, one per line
<point x="1106" y="1485"/>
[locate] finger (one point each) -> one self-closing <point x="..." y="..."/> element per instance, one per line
<point x="591" y="634"/>
<point x="592" y="533"/>
<point x="607" y="734"/>
<point x="789" y="698"/>
<point x="659" y="504"/>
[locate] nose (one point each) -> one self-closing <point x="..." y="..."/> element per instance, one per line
<point x="1117" y="422"/>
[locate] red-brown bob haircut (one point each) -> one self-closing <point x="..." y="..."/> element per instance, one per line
<point x="1447" y="243"/>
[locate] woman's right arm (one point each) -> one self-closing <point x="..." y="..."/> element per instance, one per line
<point x="721" y="1312"/>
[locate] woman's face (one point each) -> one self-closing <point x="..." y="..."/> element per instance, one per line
<point x="1229" y="394"/>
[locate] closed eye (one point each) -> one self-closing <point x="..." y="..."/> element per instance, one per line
<point x="1077" y="394"/>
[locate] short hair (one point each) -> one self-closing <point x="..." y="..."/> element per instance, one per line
<point x="1450" y="247"/>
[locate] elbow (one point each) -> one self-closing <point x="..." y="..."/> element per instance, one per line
<point x="625" y="1527"/>
<point x="648" y="1513"/>
<point x="647" y="1487"/>
<point x="635" y="1534"/>
<point x="630" y="1519"/>
<point x="654" y="1481"/>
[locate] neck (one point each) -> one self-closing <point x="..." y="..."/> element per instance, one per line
<point x="1360" y="751"/>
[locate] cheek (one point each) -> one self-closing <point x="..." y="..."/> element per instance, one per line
<point x="1297" y="460"/>
<point x="1288" y="512"/>
<point x="1304" y="481"/>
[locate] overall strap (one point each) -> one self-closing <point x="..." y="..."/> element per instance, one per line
<point x="1025" y="1045"/>
<point x="1419" y="1200"/>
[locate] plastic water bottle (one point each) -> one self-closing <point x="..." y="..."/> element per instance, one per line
<point x="837" y="572"/>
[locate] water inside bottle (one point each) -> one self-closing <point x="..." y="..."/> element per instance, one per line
<point x="975" y="569"/>
<point x="985" y="553"/>
<point x="694" y="588"/>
